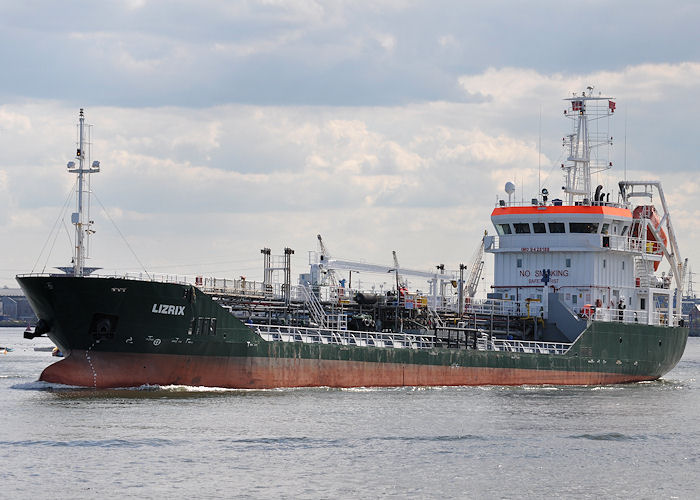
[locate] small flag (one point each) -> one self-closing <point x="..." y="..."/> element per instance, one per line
<point x="611" y="105"/>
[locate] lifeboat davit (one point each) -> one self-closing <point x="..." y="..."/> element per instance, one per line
<point x="653" y="245"/>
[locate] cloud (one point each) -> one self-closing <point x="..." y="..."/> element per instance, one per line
<point x="15" y="122"/>
<point x="5" y="203"/>
<point x="190" y="184"/>
<point x="263" y="45"/>
<point x="157" y="53"/>
<point x="447" y="41"/>
<point x="645" y="82"/>
<point x="387" y="41"/>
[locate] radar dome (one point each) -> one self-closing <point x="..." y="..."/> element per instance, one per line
<point x="510" y="188"/>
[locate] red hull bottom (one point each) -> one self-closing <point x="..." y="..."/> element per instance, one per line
<point x="104" y="370"/>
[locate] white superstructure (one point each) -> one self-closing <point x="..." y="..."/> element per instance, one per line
<point x="597" y="252"/>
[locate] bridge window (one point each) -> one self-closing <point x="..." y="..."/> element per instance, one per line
<point x="583" y="227"/>
<point x="503" y="229"/>
<point x="557" y="227"/>
<point x="624" y="230"/>
<point x="522" y="228"/>
<point x="606" y="227"/>
<point x="539" y="227"/>
<point x="519" y="263"/>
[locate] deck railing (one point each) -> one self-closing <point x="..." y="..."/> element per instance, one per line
<point x="529" y="346"/>
<point x="520" y="309"/>
<point x="504" y="307"/>
<point x="643" y="317"/>
<point x="396" y="340"/>
<point x="310" y="335"/>
<point x="640" y="246"/>
<point x="483" y="307"/>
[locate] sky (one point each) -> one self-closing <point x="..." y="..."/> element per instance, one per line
<point x="226" y="127"/>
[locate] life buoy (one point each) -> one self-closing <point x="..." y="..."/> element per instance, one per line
<point x="587" y="311"/>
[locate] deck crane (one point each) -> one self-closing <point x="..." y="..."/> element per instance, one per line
<point x="400" y="280"/>
<point x="330" y="277"/>
<point x="477" y="265"/>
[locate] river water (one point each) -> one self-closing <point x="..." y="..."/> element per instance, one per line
<point x="622" y="441"/>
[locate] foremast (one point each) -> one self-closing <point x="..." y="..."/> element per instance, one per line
<point x="81" y="217"/>
<point x="584" y="144"/>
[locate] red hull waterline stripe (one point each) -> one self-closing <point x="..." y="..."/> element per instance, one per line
<point x="105" y="370"/>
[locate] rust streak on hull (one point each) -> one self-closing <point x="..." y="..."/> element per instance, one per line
<point x="104" y="370"/>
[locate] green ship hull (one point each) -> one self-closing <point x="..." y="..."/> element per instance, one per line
<point x="121" y="333"/>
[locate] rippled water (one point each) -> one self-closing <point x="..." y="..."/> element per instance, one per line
<point x="639" y="440"/>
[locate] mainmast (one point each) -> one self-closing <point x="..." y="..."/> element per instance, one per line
<point x="82" y="226"/>
<point x="583" y="144"/>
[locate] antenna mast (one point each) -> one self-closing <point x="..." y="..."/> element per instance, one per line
<point x="82" y="227"/>
<point x="583" y="143"/>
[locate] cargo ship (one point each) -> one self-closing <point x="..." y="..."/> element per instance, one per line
<point x="577" y="298"/>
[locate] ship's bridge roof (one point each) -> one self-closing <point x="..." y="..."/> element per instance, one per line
<point x="568" y="210"/>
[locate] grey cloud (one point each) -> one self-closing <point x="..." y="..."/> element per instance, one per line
<point x="219" y="118"/>
<point x="312" y="53"/>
